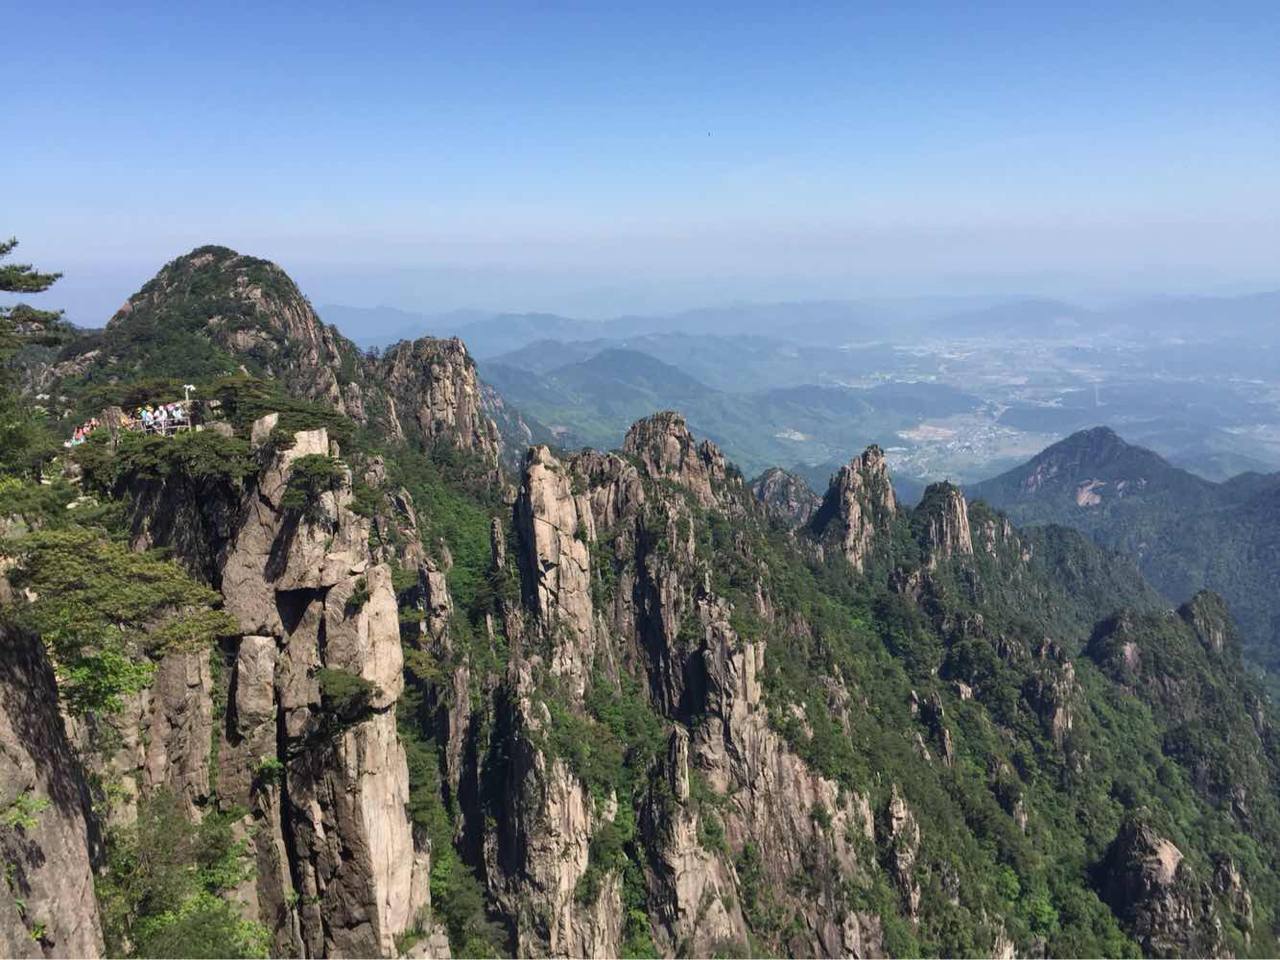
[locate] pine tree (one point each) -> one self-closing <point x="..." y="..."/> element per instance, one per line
<point x="24" y="444"/>
<point x="20" y="320"/>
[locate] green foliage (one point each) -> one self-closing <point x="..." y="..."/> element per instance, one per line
<point x="168" y="326"/>
<point x="268" y="771"/>
<point x="205" y="459"/>
<point x="457" y="896"/>
<point x="1184" y="532"/>
<point x="1176" y="735"/>
<point x="26" y="444"/>
<point x="310" y="477"/>
<point x="637" y="939"/>
<point x="346" y="697"/>
<point x="162" y="893"/>
<point x="359" y="595"/>
<point x="711" y="832"/>
<point x="365" y="500"/>
<point x="242" y="399"/>
<point x="22" y="277"/>
<point x="104" y="611"/>
<point x="458" y="900"/>
<point x="605" y="853"/>
<point x="23" y="812"/>
<point x="452" y="512"/>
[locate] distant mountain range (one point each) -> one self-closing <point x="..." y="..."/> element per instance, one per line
<point x="1186" y="533"/>
<point x="829" y="322"/>
<point x="592" y="402"/>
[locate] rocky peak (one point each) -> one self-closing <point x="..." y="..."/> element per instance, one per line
<point x="665" y="446"/>
<point x="434" y="381"/>
<point x="246" y="312"/>
<point x="1084" y="452"/>
<point x="251" y="310"/>
<point x="786" y="496"/>
<point x="858" y="506"/>
<point x="1087" y="469"/>
<point x="944" y="523"/>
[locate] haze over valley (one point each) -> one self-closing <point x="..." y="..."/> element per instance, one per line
<point x="951" y="387"/>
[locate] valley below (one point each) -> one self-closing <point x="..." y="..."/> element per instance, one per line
<point x="960" y="409"/>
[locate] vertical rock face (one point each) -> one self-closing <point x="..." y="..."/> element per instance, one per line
<point x="667" y="449"/>
<point x="181" y="724"/>
<point x="1053" y="693"/>
<point x="434" y="382"/>
<point x="797" y="821"/>
<point x="859" y="506"/>
<point x="903" y="835"/>
<point x="662" y="618"/>
<point x="48" y="851"/>
<point x="556" y="525"/>
<point x="335" y="850"/>
<point x="541" y="850"/>
<point x="946" y="518"/>
<point x="786" y="496"/>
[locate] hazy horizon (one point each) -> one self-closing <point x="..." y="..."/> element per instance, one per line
<point x="602" y="162"/>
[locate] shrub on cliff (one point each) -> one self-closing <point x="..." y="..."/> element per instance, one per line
<point x="105" y="612"/>
<point x="310" y="477"/>
<point x="160" y="890"/>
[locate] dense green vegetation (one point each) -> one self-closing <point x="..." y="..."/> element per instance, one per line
<point x="25" y="440"/>
<point x="163" y="892"/>
<point x="105" y="612"/>
<point x="166" y="335"/>
<point x="311" y="477"/>
<point x="1007" y="758"/>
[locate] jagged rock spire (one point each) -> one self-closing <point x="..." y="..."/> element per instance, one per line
<point x="665" y="446"/>
<point x="944" y="523"/>
<point x="859" y="506"/>
<point x="556" y="525"/>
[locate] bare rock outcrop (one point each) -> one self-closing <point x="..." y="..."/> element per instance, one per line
<point x="48" y="850"/>
<point x="797" y="822"/>
<point x="858" y="507"/>
<point x="433" y="381"/>
<point x="542" y="849"/>
<point x="902" y="834"/>
<point x="1053" y="691"/>
<point x="668" y="451"/>
<point x="556" y="526"/>
<point x="786" y="496"/>
<point x="944" y="515"/>
<point x="316" y="680"/>
<point x="1155" y="892"/>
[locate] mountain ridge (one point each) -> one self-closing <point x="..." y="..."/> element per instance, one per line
<point x="1186" y="533"/>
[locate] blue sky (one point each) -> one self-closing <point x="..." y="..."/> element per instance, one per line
<point x="599" y="158"/>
